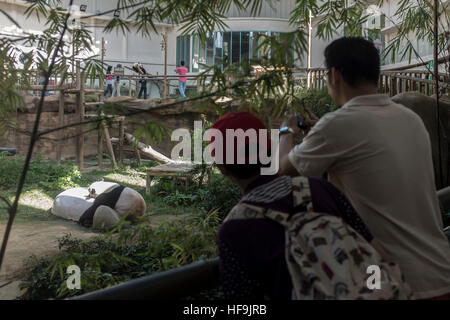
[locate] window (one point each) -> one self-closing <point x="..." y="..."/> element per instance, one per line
<point x="254" y="43"/>
<point x="245" y="46"/>
<point x="223" y="48"/>
<point x="289" y="58"/>
<point x="184" y="50"/>
<point x="195" y="53"/>
<point x="226" y="49"/>
<point x="210" y="52"/>
<point x="218" y="44"/>
<point x="202" y="56"/>
<point x="236" y="47"/>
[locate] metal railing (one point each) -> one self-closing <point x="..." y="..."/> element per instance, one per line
<point x="173" y="284"/>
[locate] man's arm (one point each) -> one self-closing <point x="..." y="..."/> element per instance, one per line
<point x="286" y="146"/>
<point x="287" y="143"/>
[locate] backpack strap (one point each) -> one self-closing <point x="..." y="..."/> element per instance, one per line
<point x="302" y="198"/>
<point x="302" y="194"/>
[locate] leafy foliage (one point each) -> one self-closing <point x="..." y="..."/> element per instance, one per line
<point x="41" y="174"/>
<point x="122" y="255"/>
<point x="318" y="100"/>
<point x="218" y="195"/>
<point x="416" y="21"/>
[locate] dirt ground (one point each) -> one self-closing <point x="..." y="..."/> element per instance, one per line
<point x="39" y="239"/>
<point x="32" y="239"/>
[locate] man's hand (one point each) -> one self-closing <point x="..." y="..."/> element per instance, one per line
<point x="292" y="123"/>
<point x="312" y="119"/>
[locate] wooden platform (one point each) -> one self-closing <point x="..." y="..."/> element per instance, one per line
<point x="174" y="170"/>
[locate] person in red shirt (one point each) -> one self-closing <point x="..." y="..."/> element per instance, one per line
<point x="182" y="71"/>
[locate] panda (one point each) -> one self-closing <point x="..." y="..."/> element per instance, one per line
<point x="112" y="202"/>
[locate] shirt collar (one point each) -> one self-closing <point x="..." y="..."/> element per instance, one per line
<point x="370" y="100"/>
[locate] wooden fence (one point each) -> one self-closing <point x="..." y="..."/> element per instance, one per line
<point x="391" y="82"/>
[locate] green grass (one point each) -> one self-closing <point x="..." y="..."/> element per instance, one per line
<point x="46" y="180"/>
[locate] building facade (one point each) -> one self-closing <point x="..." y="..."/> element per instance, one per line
<point x="239" y="40"/>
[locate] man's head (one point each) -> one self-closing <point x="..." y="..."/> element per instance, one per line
<point x="250" y="126"/>
<point x="182" y="63"/>
<point x="353" y="65"/>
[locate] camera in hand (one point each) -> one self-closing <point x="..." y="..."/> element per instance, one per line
<point x="301" y="122"/>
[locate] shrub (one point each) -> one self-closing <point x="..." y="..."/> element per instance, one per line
<point x="122" y="255"/>
<point x="45" y="175"/>
<point x="319" y="101"/>
<point x="219" y="194"/>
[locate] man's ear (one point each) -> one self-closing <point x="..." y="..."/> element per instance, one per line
<point x="335" y="76"/>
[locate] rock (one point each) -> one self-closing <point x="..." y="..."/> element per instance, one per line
<point x="447" y="233"/>
<point x="105" y="218"/>
<point x="425" y="107"/>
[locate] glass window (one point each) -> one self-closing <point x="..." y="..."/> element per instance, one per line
<point x="178" y="50"/>
<point x="289" y="58"/>
<point x="245" y="46"/>
<point x="226" y="48"/>
<point x="218" y="43"/>
<point x="264" y="52"/>
<point x="187" y="52"/>
<point x="254" y="43"/>
<point x="236" y="47"/>
<point x="202" y="56"/>
<point x="182" y="50"/>
<point x="195" y="53"/>
<point x="210" y="52"/>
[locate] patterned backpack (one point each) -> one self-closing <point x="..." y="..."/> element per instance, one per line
<point x="326" y="258"/>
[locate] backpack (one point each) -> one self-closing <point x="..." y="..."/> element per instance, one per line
<point x="326" y="258"/>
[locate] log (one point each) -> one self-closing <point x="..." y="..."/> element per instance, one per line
<point x="109" y="144"/>
<point x="147" y="150"/>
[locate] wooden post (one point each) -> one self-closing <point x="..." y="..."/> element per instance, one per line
<point x="137" y="88"/>
<point x="60" y="124"/>
<point x="102" y="87"/>
<point x="82" y="118"/>
<point x="165" y="64"/>
<point x="138" y="156"/>
<point x="109" y="144"/>
<point x="78" y="112"/>
<point x="129" y="86"/>
<point x="100" y="147"/>
<point x="121" y="140"/>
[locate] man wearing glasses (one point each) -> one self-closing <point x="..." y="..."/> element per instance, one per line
<point x="379" y="154"/>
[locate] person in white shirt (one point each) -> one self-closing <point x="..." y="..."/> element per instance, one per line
<point x="379" y="154"/>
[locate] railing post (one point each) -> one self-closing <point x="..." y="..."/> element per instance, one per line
<point x="129" y="86"/>
<point x="60" y="123"/>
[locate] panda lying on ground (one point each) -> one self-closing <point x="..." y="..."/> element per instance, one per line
<point x="101" y="205"/>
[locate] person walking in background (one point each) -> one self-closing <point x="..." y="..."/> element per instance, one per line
<point x="116" y="91"/>
<point x="182" y="71"/>
<point x="109" y="82"/>
<point x="139" y="68"/>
